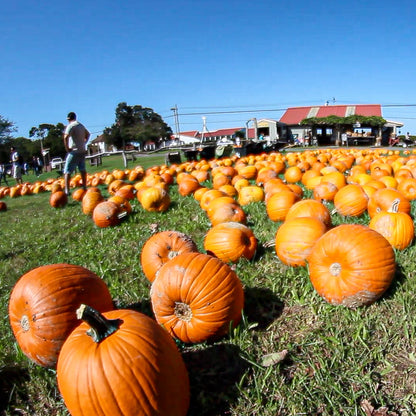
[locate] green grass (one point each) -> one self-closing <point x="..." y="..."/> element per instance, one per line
<point x="337" y="358"/>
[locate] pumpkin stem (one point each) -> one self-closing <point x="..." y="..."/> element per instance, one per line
<point x="394" y="206"/>
<point x="101" y="327"/>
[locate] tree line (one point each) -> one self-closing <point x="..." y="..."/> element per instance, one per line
<point x="133" y="124"/>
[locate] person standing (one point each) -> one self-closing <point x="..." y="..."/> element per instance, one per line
<point x="17" y="167"/>
<point x="75" y="139"/>
<point x="3" y="175"/>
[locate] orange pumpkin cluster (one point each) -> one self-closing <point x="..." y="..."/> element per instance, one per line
<point x="354" y="181"/>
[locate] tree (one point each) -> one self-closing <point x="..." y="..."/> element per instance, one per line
<point x="49" y="136"/>
<point x="136" y="124"/>
<point x="6" y="129"/>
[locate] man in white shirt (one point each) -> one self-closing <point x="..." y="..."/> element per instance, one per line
<point x="75" y="139"/>
<point x="17" y="168"/>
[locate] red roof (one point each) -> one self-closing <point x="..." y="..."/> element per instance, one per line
<point x="295" y="115"/>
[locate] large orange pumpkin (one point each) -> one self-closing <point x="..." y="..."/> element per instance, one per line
<point x="162" y="247"/>
<point x="121" y="363"/>
<point x="230" y="241"/>
<point x="197" y="297"/>
<point x="351" y="265"/>
<point x="278" y="204"/>
<point x="43" y="303"/>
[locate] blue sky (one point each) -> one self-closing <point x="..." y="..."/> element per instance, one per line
<point x="225" y="60"/>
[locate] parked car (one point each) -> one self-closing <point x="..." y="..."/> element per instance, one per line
<point x="57" y="162"/>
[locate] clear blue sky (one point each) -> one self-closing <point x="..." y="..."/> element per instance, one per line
<point x="205" y="57"/>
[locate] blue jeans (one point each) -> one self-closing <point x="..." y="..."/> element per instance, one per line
<point x="74" y="160"/>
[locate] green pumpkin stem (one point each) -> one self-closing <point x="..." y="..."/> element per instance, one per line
<point x="101" y="327"/>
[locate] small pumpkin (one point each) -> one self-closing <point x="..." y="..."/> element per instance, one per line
<point x="58" y="199"/>
<point x="230" y="241"/>
<point x="155" y="199"/>
<point x="351" y="265"/>
<point x="197" y="297"/>
<point x="396" y="227"/>
<point x="107" y="214"/>
<point x="162" y="247"/>
<point x="382" y="200"/>
<point x="42" y="307"/>
<point x="295" y="239"/>
<point x="351" y="201"/>
<point x="90" y="200"/>
<point x="124" y="363"/>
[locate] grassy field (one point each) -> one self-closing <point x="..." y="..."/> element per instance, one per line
<point x="335" y="361"/>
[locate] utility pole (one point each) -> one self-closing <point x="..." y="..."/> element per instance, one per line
<point x="175" y="114"/>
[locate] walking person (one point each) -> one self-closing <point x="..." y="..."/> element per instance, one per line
<point x="17" y="166"/>
<point x="75" y="139"/>
<point x="3" y="175"/>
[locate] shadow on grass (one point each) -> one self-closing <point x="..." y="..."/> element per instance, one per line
<point x="262" y="306"/>
<point x="12" y="379"/>
<point x="213" y="374"/>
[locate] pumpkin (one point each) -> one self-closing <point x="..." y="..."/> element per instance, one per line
<point x="197" y="297"/>
<point x="78" y="194"/>
<point x="226" y="212"/>
<point x="351" y="265"/>
<point x="124" y="204"/>
<point x="124" y="364"/>
<point x="230" y="241"/>
<point x="325" y="191"/>
<point x="310" y="208"/>
<point x="351" y="201"/>
<point x="155" y="199"/>
<point x="382" y="200"/>
<point x="396" y="227"/>
<point x="278" y="204"/>
<point x="250" y="194"/>
<point x="107" y="214"/>
<point x="58" y="199"/>
<point x="407" y="187"/>
<point x="3" y="206"/>
<point x="42" y="307"/>
<point x="90" y="200"/>
<point x="295" y="239"/>
<point x="162" y="247"/>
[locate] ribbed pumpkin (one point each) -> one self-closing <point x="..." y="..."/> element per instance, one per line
<point x="42" y="307"/>
<point x="58" y="199"/>
<point x="226" y="212"/>
<point x="107" y="214"/>
<point x="295" y="239"/>
<point x="325" y="191"/>
<point x="121" y="363"/>
<point x="278" y="204"/>
<point x="309" y="208"/>
<point x="351" y="265"/>
<point x="197" y="297"/>
<point x="396" y="227"/>
<point x="155" y="199"/>
<point x="383" y="199"/>
<point x="162" y="247"/>
<point x="230" y="241"/>
<point x="78" y="194"/>
<point x="90" y="200"/>
<point x="250" y="194"/>
<point x="351" y="201"/>
<point x="407" y="187"/>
